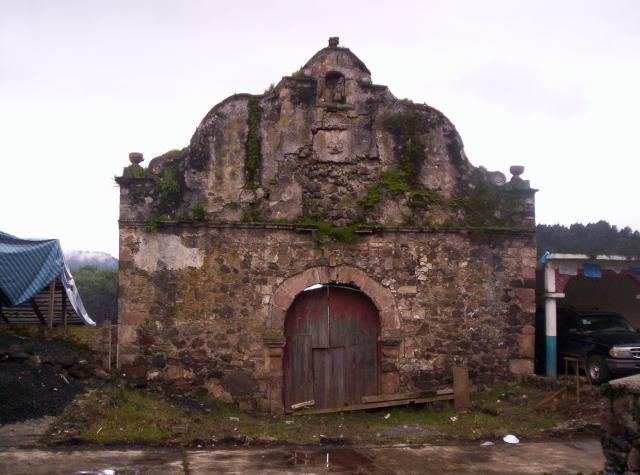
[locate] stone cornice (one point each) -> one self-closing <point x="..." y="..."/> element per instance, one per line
<point x="304" y="228"/>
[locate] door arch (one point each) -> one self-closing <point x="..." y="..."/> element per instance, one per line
<point x="331" y="353"/>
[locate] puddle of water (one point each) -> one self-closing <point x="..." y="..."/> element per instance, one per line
<point x="334" y="460"/>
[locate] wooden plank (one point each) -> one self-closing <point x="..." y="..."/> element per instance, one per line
<point x="37" y="311"/>
<point x="63" y="296"/>
<point x="549" y="398"/>
<point x="316" y="314"/>
<point x="322" y="377"/>
<point x="2" y="315"/>
<point x="374" y="405"/>
<point x="298" y="370"/>
<point x="302" y="405"/>
<point x="354" y="325"/>
<point x="400" y="396"/>
<point x="52" y="299"/>
<point x="461" y="395"/>
<point x="338" y="376"/>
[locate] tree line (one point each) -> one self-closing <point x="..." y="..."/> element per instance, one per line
<point x="99" y="291"/>
<point x="591" y="238"/>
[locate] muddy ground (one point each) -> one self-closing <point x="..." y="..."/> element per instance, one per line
<point x="529" y="458"/>
<point x="41" y="377"/>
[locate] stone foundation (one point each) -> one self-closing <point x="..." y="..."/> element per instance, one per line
<point x="620" y="419"/>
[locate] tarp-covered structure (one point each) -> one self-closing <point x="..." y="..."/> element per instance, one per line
<point x="36" y="285"/>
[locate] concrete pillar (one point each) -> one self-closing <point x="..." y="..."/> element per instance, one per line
<point x="551" y="337"/>
<point x="551" y="327"/>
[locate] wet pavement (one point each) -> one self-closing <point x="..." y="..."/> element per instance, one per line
<point x="525" y="458"/>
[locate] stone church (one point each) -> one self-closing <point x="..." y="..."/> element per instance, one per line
<point x="323" y="241"/>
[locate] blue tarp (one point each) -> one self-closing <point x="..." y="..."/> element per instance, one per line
<point x="29" y="265"/>
<point x="592" y="270"/>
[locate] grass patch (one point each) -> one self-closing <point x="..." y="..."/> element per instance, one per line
<point x="168" y="186"/>
<point x="116" y="415"/>
<point x="136" y="171"/>
<point x="134" y="417"/>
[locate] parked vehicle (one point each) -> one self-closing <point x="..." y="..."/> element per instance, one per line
<point x="608" y="344"/>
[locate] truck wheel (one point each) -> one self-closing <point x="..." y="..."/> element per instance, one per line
<point x="597" y="369"/>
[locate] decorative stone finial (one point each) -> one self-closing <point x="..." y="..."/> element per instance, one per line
<point x="516" y="170"/>
<point x="136" y="158"/>
<point x="334" y="41"/>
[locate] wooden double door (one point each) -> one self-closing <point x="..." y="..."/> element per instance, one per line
<point x="331" y="348"/>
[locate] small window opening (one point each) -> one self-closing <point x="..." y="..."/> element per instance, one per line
<point x="334" y="86"/>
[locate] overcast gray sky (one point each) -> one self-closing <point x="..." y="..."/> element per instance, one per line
<point x="551" y="85"/>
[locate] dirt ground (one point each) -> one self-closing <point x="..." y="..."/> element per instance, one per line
<point x="194" y="433"/>
<point x="39" y="377"/>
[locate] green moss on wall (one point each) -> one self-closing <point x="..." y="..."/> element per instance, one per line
<point x="406" y="128"/>
<point x="168" y="187"/>
<point x="198" y="212"/>
<point x="397" y="181"/>
<point x="174" y="154"/>
<point x="136" y="171"/>
<point x="481" y="201"/>
<point x="345" y="234"/>
<point x="253" y="154"/>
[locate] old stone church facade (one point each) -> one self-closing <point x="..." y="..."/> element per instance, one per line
<point x="419" y="260"/>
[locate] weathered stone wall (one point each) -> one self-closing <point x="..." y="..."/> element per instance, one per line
<point x="620" y="424"/>
<point x="345" y="153"/>
<point x="204" y="314"/>
<point x="324" y="178"/>
<point x="91" y="337"/>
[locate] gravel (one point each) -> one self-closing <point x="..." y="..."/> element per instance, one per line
<point x="28" y="392"/>
<point x="33" y="381"/>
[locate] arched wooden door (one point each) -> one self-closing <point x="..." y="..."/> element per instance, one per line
<point x="331" y="348"/>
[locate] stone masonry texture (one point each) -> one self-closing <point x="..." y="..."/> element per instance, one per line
<point x="326" y="177"/>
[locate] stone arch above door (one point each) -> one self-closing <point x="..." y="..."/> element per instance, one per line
<point x="381" y="297"/>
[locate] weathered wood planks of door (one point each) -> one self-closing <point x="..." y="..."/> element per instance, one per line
<point x="331" y="348"/>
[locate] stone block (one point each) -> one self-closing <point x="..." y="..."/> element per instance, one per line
<point x="389" y="320"/>
<point x="529" y="273"/>
<point x="407" y="290"/>
<point x="527" y="345"/>
<point x="134" y="371"/>
<point x="131" y="318"/>
<point x="528" y="330"/>
<point x="521" y="366"/>
<point x="276" y="318"/>
<point x="526" y="296"/>
<point x="215" y="389"/>
<point x="633" y="460"/>
<point x="390" y="383"/>
<point x="282" y="299"/>
<point x="275" y="364"/>
<point x="127" y="334"/>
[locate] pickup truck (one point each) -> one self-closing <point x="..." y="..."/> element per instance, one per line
<point x="607" y="343"/>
